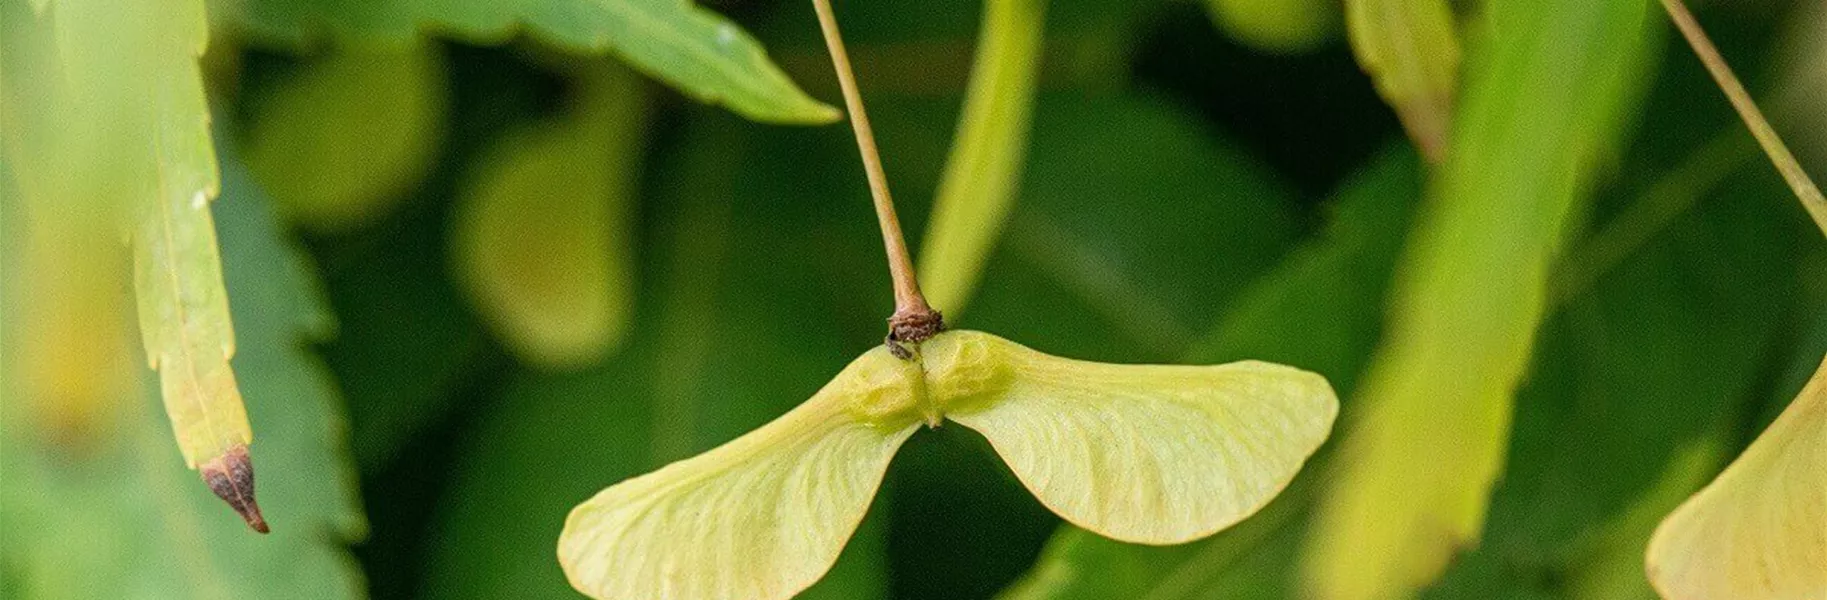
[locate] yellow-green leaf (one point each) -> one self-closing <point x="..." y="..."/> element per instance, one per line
<point x="695" y="50"/>
<point x="984" y="169"/>
<point x="1279" y="26"/>
<point x="342" y="141"/>
<point x="1415" y="469"/>
<point x="1155" y="454"/>
<point x="1410" y="50"/>
<point x="1759" y="531"/>
<point x="759" y="518"/>
<point x="122" y="127"/>
<point x="543" y="237"/>
<point x="184" y="323"/>
<point x="125" y="519"/>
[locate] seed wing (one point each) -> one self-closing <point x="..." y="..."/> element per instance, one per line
<point x="759" y="518"/>
<point x="1142" y="453"/>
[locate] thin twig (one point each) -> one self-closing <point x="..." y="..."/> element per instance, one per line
<point x="913" y="319"/>
<point x="1805" y="189"/>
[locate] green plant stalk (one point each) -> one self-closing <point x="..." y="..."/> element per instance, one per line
<point x="913" y="319"/>
<point x="983" y="172"/>
<point x="1415" y="471"/>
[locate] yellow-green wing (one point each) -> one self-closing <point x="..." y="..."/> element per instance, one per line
<point x="1759" y="531"/>
<point x="1149" y="454"/>
<point x="759" y="518"/>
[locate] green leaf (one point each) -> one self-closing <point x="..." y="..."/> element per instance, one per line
<point x="1410" y="50"/>
<point x="1136" y="227"/>
<point x="984" y="169"/>
<point x="340" y="142"/>
<point x="1278" y="26"/>
<point x="690" y="48"/>
<point x="542" y="240"/>
<point x="126" y="519"/>
<point x="184" y="322"/>
<point x="1689" y="321"/>
<point x="1417" y="464"/>
<point x="1321" y="308"/>
<point x="123" y="127"/>
<point x="1610" y="566"/>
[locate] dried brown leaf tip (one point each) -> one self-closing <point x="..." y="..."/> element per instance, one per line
<point x="231" y="477"/>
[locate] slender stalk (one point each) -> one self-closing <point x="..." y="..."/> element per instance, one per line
<point x="1805" y="190"/>
<point x="913" y="319"/>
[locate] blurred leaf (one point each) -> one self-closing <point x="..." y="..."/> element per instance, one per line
<point x="1610" y="565"/>
<point x="1652" y="365"/>
<point x="340" y="142"/>
<point x="122" y="127"/>
<point x="1418" y="462"/>
<point x="1322" y="306"/>
<point x="1803" y="90"/>
<point x="722" y="341"/>
<point x="984" y="169"/>
<point x="693" y="49"/>
<point x="128" y="521"/>
<point x="1137" y="226"/>
<point x="406" y="344"/>
<point x="1410" y="50"/>
<point x="69" y="333"/>
<point x="543" y="236"/>
<point x="1320" y="309"/>
<point x="1277" y="26"/>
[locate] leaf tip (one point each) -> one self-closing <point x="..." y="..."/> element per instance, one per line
<point x="231" y="477"/>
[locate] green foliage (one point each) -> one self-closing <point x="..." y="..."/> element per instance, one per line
<point x="1206" y="214"/>
<point x="339" y="143"/>
<point x="1473" y="290"/>
<point x="115" y="137"/>
<point x="1685" y="321"/>
<point x="1168" y="210"/>
<point x="126" y="519"/>
<point x="542" y="239"/>
<point x="700" y="53"/>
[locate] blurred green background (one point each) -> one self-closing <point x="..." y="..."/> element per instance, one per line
<point x="1203" y="183"/>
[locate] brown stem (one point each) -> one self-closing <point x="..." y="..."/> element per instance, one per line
<point x="1804" y="188"/>
<point x="913" y="320"/>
